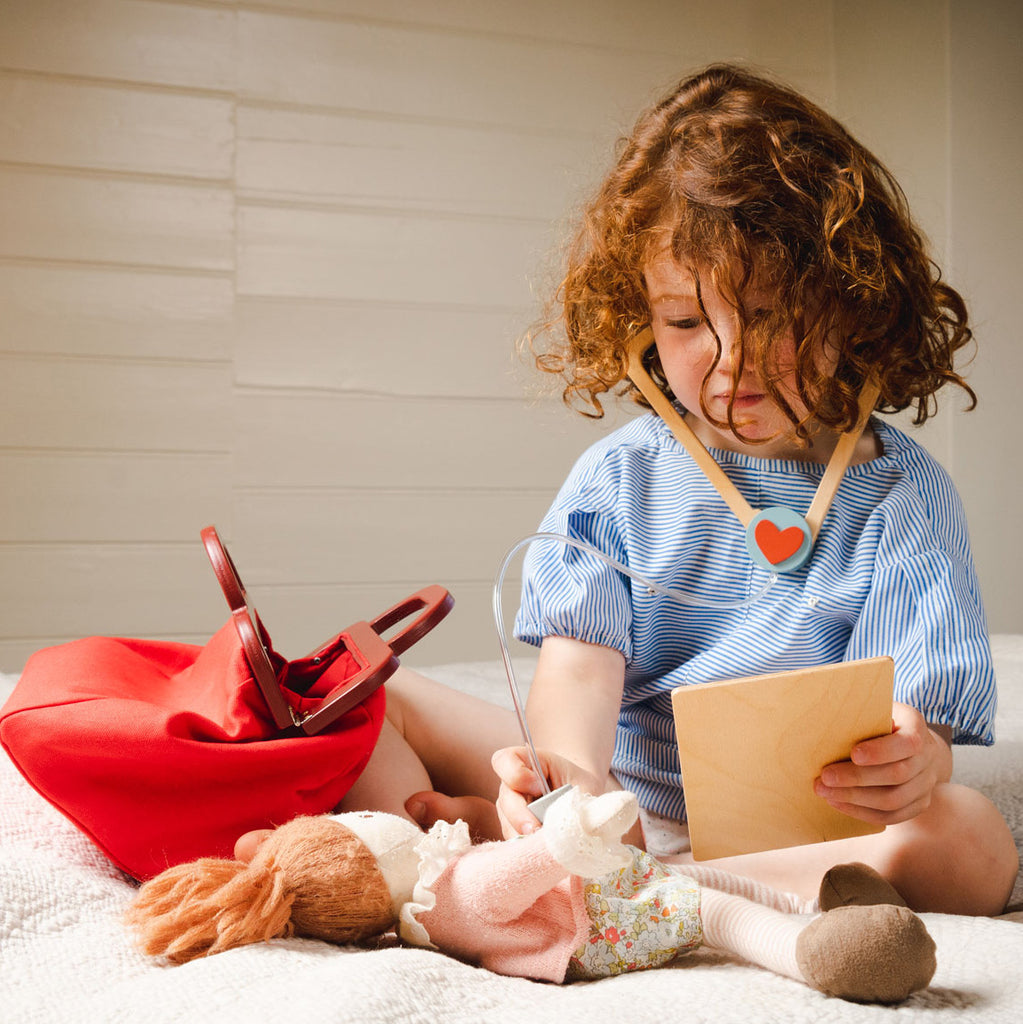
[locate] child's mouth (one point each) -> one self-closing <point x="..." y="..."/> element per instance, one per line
<point x="744" y="399"/>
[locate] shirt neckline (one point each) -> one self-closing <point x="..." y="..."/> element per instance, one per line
<point x="724" y="456"/>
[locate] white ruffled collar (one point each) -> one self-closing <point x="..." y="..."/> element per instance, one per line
<point x="435" y="850"/>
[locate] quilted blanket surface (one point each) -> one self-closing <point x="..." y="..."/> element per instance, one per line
<point x="65" y="956"/>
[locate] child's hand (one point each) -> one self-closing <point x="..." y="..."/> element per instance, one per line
<point x="890" y="778"/>
<point x="520" y="785"/>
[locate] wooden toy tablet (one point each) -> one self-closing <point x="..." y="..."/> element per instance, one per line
<point x="751" y="748"/>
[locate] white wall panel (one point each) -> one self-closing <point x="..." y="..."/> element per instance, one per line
<point x="644" y="25"/>
<point x="485" y="79"/>
<point x="895" y="101"/>
<point x="163" y="43"/>
<point x="401" y="163"/>
<point x="87" y="125"/>
<point x="160" y="590"/>
<point x="114" y="406"/>
<point x="108" y="497"/>
<point x="401" y="535"/>
<point x="307" y="439"/>
<point x="387" y="257"/>
<point x="377" y="348"/>
<point x="116" y="311"/>
<point x="986" y="154"/>
<point x="265" y="264"/>
<point x="60" y="216"/>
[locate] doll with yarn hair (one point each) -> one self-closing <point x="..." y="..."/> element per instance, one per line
<point x="566" y="903"/>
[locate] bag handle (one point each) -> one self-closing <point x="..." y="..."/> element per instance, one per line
<point x="435" y="601"/>
<point x="253" y="636"/>
<point x="375" y="656"/>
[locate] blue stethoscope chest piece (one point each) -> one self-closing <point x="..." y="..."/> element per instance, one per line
<point x="778" y="539"/>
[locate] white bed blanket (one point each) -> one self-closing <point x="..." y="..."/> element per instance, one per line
<point x="65" y="957"/>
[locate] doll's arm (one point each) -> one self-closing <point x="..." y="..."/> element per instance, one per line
<point x="580" y="836"/>
<point x="584" y="832"/>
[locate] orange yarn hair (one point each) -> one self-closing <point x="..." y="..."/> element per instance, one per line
<point x="312" y="877"/>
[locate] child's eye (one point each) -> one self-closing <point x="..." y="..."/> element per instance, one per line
<point x="686" y="324"/>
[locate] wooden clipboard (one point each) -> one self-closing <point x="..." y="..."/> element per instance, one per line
<point x="751" y="748"/>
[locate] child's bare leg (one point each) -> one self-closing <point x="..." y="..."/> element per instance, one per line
<point x="394" y="772"/>
<point x="435" y="741"/>
<point x="454" y="734"/>
<point x="957" y="857"/>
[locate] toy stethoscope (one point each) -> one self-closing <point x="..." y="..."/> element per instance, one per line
<point x="778" y="538"/>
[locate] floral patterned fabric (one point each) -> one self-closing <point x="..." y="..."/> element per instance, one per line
<point x="641" y="916"/>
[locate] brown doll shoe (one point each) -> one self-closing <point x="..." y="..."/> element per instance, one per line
<point x="856" y="885"/>
<point x="872" y="954"/>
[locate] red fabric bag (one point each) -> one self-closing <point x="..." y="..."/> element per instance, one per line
<point x="164" y="752"/>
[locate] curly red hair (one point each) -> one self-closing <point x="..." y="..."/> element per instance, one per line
<point x="742" y="182"/>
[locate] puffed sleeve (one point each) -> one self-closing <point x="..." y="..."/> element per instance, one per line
<point x="925" y="612"/>
<point x="570" y="592"/>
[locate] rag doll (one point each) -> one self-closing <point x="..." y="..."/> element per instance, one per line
<point x="566" y="903"/>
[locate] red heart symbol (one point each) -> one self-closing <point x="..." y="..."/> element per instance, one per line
<point x="777" y="545"/>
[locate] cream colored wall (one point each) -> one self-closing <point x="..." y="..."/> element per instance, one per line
<point x="263" y="265"/>
<point x="986" y="239"/>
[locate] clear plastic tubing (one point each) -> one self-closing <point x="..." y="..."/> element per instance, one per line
<point x="670" y="592"/>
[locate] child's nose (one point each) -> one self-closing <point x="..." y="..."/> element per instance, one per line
<point x="731" y="346"/>
<point x="247" y="845"/>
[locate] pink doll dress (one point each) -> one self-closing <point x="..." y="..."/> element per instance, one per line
<point x="512" y="908"/>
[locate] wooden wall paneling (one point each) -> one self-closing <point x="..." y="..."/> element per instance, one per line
<point x="400" y="163"/>
<point x="83" y="124"/>
<point x="116" y="276"/>
<point x="61" y="216"/>
<point x="114" y="405"/>
<point x="162" y="43"/>
<point x="342" y="536"/>
<point x="111" y="497"/>
<point x="986" y="222"/>
<point x="304" y="439"/>
<point x="669" y="39"/>
<point x="532" y="82"/>
<point x="649" y="26"/>
<point x="138" y="589"/>
<point x="77" y="309"/>
<point x="387" y="349"/>
<point x="896" y="103"/>
<point x="387" y="258"/>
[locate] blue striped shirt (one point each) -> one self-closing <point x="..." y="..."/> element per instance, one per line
<point x="891" y="574"/>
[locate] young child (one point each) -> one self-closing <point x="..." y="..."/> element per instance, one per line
<point x="776" y="262"/>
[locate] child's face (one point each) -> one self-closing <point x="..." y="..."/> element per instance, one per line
<point x="687" y="350"/>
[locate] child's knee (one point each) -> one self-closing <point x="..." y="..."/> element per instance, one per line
<point x="989" y="843"/>
<point x="957" y="857"/>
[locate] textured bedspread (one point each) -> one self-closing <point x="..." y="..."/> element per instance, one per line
<point x="65" y="957"/>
